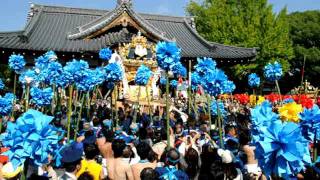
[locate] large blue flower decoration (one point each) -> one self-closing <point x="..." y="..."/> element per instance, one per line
<point x="195" y="81"/>
<point x="41" y="97"/>
<point x="113" y="72"/>
<point x="261" y="117"/>
<point x="167" y="54"/>
<point x="273" y="71"/>
<point x="163" y="81"/>
<point x="5" y="106"/>
<point x="65" y="79"/>
<point x="29" y="77"/>
<point x="53" y="72"/>
<point x="174" y="83"/>
<point x="17" y="63"/>
<point x="213" y="82"/>
<point x="51" y="55"/>
<point x="75" y="68"/>
<point x="105" y="54"/>
<point x="143" y="75"/>
<point x="88" y="80"/>
<point x="9" y="96"/>
<point x="179" y="70"/>
<point x="2" y="86"/>
<point x="99" y="75"/>
<point x="310" y="122"/>
<point x="214" y="108"/>
<point x="30" y="137"/>
<point x="205" y="65"/>
<point x="228" y="86"/>
<point x="254" y="80"/>
<point x="41" y="62"/>
<point x="282" y="150"/>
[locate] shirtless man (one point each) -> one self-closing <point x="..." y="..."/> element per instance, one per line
<point x="118" y="169"/>
<point x="251" y="165"/>
<point x="159" y="147"/>
<point x="105" y="145"/>
<point x="143" y="150"/>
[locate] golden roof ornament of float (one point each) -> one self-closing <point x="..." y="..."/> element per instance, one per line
<point x="139" y="51"/>
<point x="306" y="88"/>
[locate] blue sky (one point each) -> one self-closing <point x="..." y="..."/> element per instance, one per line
<point x="13" y="12"/>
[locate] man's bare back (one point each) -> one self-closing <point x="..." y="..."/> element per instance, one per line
<point x="137" y="168"/>
<point x="119" y="169"/>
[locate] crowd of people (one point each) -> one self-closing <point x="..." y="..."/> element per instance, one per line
<point x="140" y="150"/>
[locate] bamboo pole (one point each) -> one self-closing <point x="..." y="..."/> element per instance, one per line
<point x="167" y="110"/>
<point x="79" y="117"/>
<point x="148" y="99"/>
<point x="69" y="111"/>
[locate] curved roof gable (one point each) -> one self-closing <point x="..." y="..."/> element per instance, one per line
<point x="100" y="23"/>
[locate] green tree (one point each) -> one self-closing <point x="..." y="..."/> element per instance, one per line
<point x="246" y="23"/>
<point x="305" y="35"/>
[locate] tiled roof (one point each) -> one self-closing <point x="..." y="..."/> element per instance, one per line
<point x="62" y="29"/>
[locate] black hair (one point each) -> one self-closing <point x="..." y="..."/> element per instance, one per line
<point x="149" y="174"/>
<point x="71" y="166"/>
<point x="85" y="176"/>
<point x="244" y="137"/>
<point x="228" y="128"/>
<point x="108" y="134"/>
<point x="96" y="121"/>
<point x="143" y="150"/>
<point x="34" y="176"/>
<point x="143" y="133"/>
<point x="173" y="157"/>
<point x="118" y="146"/>
<point x="230" y="170"/>
<point x="192" y="159"/>
<point x="127" y="152"/>
<point x="88" y="133"/>
<point x="163" y="134"/>
<point x="91" y="151"/>
<point x="152" y="156"/>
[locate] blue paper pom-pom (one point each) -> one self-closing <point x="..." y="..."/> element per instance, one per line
<point x="90" y="79"/>
<point x="32" y="137"/>
<point x="29" y="77"/>
<point x="9" y="96"/>
<point x="113" y="72"/>
<point x="179" y="70"/>
<point x="163" y="81"/>
<point x="310" y="123"/>
<point x="228" y="86"/>
<point x="51" y="55"/>
<point x="75" y="68"/>
<point x="174" y="83"/>
<point x="195" y="81"/>
<point x="53" y="72"/>
<point x="273" y="71"/>
<point x="17" y="63"/>
<point x="254" y="80"/>
<point x="143" y="75"/>
<point x="41" y="62"/>
<point x="167" y="54"/>
<point x="214" y="108"/>
<point x="282" y="150"/>
<point x="41" y="97"/>
<point x="205" y="65"/>
<point x="105" y="54"/>
<point x="5" y="106"/>
<point x="2" y="86"/>
<point x="213" y="82"/>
